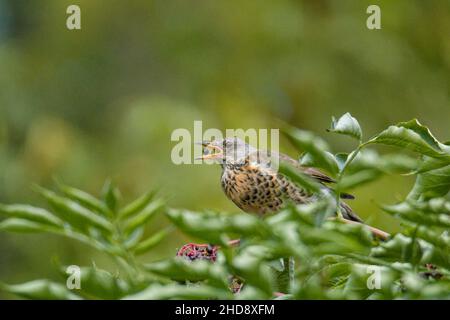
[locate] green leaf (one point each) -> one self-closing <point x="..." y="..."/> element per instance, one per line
<point x="341" y="159"/>
<point x="85" y="199"/>
<point x="346" y="125"/>
<point x="74" y="213"/>
<point x="137" y="205"/>
<point x="431" y="184"/>
<point x="413" y="136"/>
<point x="424" y="132"/>
<point x="110" y="195"/>
<point x="438" y="239"/>
<point x="277" y="264"/>
<point x="181" y="269"/>
<point x="428" y="164"/>
<point x="30" y="213"/>
<point x="249" y="265"/>
<point x="100" y="284"/>
<point x="143" y="216"/>
<point x="174" y="291"/>
<point x="359" y="178"/>
<point x="315" y="146"/>
<point x="41" y="290"/>
<point x="357" y="284"/>
<point x="133" y="239"/>
<point x="402" y="248"/>
<point x="152" y="241"/>
<point x="409" y="213"/>
<point x="216" y="228"/>
<point x="23" y="225"/>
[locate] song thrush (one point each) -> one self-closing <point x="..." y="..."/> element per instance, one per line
<point x="250" y="180"/>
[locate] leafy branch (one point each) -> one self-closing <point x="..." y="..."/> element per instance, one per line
<point x="333" y="257"/>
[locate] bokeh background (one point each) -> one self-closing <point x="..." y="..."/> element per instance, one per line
<point x="103" y="101"/>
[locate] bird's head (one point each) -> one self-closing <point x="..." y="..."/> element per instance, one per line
<point x="226" y="151"/>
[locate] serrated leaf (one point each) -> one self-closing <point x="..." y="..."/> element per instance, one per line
<point x="424" y="133"/>
<point x="431" y="184"/>
<point x="428" y="164"/>
<point x="346" y="125"/>
<point x="413" y="136"/>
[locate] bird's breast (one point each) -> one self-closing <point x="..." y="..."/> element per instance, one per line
<point x="253" y="189"/>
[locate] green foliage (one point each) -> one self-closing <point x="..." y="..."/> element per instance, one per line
<point x="300" y="251"/>
<point x="346" y="125"/>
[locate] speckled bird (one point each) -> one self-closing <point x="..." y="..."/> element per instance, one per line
<point x="251" y="182"/>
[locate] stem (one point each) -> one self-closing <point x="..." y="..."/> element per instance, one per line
<point x="339" y="178"/>
<point x="234" y="243"/>
<point x="291" y="273"/>
<point x="376" y="232"/>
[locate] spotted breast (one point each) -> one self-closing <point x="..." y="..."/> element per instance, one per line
<point x="259" y="189"/>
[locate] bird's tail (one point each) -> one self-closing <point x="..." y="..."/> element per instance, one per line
<point x="348" y="213"/>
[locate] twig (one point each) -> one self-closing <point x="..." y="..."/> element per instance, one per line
<point x="376" y="232"/>
<point x="234" y="243"/>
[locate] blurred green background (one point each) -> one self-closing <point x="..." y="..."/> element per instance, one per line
<point x="103" y="101"/>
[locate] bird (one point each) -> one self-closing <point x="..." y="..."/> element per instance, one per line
<point x="251" y="181"/>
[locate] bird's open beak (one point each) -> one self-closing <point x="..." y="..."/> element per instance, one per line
<point x="210" y="151"/>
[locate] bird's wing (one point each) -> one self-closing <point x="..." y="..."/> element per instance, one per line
<point x="264" y="157"/>
<point x="349" y="214"/>
<point x="312" y="172"/>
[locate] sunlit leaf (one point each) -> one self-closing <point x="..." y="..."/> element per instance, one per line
<point x="413" y="136"/>
<point x="347" y="125"/>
